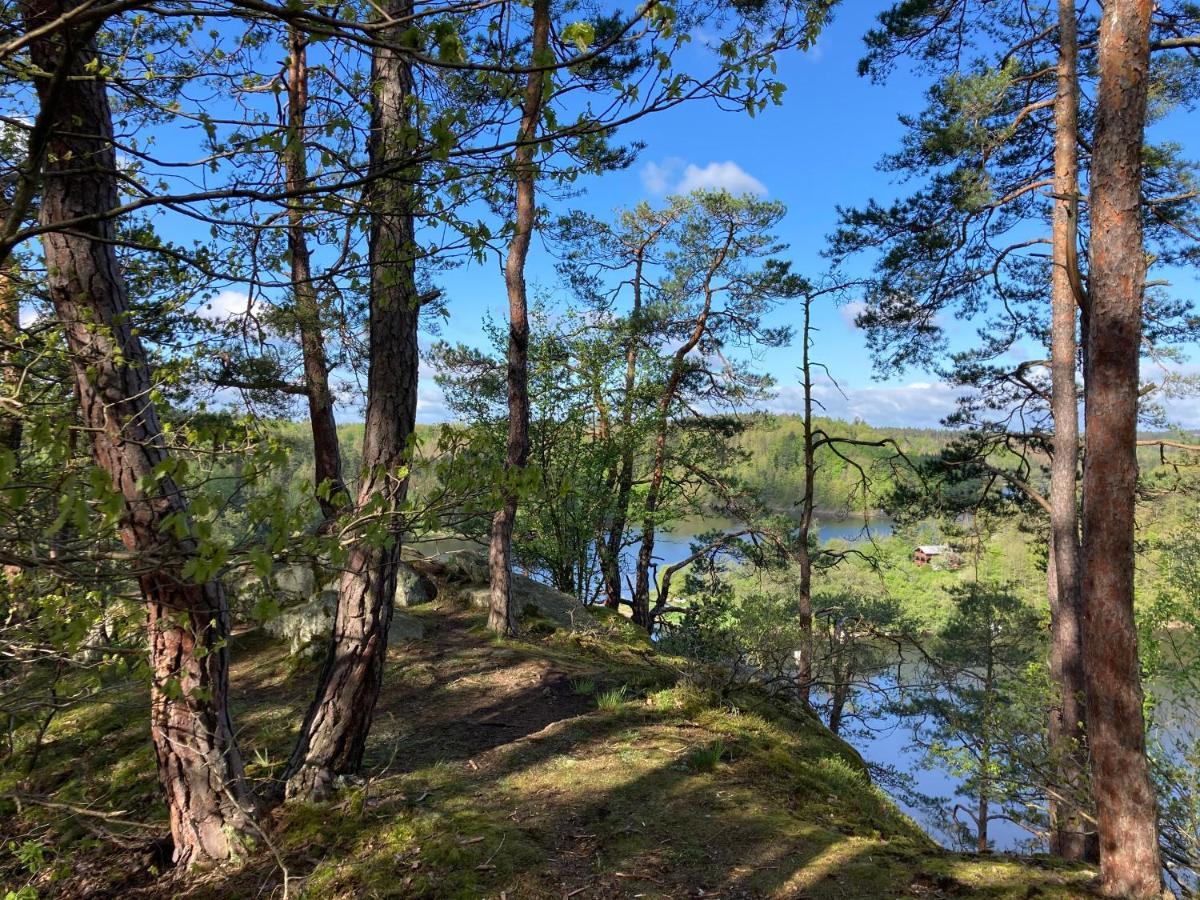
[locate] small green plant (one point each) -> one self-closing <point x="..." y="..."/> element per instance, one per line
<point x="611" y="699"/>
<point x="584" y="687"/>
<point x="705" y="759"/>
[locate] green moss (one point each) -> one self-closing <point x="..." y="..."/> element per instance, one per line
<point x="481" y="781"/>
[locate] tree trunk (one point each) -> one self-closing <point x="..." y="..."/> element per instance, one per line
<point x="1070" y="837"/>
<point x="641" y="590"/>
<point x="804" y="661"/>
<point x="334" y="735"/>
<point x="981" y="819"/>
<point x="611" y="556"/>
<point x="199" y="766"/>
<point x="641" y="584"/>
<point x="502" y="617"/>
<point x="10" y="333"/>
<point x="1124" y="794"/>
<point x="841" y="681"/>
<point x="326" y="450"/>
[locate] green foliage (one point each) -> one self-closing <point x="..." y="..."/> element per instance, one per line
<point x="975" y="711"/>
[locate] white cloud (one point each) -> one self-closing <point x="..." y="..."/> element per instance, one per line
<point x="225" y="305"/>
<point x="657" y="178"/>
<point x="919" y="404"/>
<point x="677" y="176"/>
<point x="851" y="311"/>
<point x="716" y="176"/>
<point x="816" y="52"/>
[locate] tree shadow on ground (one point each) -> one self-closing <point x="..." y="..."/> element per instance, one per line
<point x="491" y="772"/>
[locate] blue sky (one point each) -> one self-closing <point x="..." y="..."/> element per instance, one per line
<point x="815" y="151"/>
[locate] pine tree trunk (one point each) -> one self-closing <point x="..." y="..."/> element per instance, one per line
<point x="841" y="672"/>
<point x="502" y="617"/>
<point x="326" y="449"/>
<point x="804" y="667"/>
<point x="658" y="473"/>
<point x="1124" y="794"/>
<point x="334" y="735"/>
<point x="611" y="556"/>
<point x="1070" y="836"/>
<point x="645" y="558"/>
<point x="10" y="333"/>
<point x="199" y="766"/>
<point x="982" y="816"/>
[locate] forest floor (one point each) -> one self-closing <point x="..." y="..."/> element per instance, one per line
<point x="561" y="765"/>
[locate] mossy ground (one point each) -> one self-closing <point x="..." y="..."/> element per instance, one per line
<point x="496" y="771"/>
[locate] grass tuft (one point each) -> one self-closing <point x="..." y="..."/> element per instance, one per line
<point x="612" y="699"/>
<point x="708" y="757"/>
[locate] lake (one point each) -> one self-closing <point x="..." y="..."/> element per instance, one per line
<point x="674" y="545"/>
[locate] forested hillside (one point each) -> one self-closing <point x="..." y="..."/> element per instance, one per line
<point x="600" y="624"/>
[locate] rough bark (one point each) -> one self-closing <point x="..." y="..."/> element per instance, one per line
<point x="1070" y="835"/>
<point x="334" y="735"/>
<point x="502" y="617"/>
<point x="10" y="333"/>
<point x="199" y="766"/>
<point x="1124" y="794"/>
<point x="306" y="304"/>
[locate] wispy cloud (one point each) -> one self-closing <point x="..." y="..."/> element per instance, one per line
<point x="851" y="311"/>
<point x="678" y="176"/>
<point x="918" y="404"/>
<point x="225" y="305"/>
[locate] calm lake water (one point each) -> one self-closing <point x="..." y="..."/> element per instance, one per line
<point x="675" y="545"/>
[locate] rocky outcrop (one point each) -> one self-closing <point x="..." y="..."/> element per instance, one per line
<point x="458" y="576"/>
<point x="307" y="627"/>
<point x="462" y="575"/>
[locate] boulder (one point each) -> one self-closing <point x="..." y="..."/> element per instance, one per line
<point x="414" y="588"/>
<point x="307" y="627"/>
<point x="295" y="580"/>
<point x="464" y="574"/>
<point x="457" y="575"/>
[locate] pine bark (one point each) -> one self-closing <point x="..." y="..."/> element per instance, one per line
<point x="502" y="617"/>
<point x="1123" y="791"/>
<point x="334" y="734"/>
<point x="199" y="766"/>
<point x="326" y="448"/>
<point x="1071" y="837"/>
<point x="10" y="333"/>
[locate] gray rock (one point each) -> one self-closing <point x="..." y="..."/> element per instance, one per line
<point x="296" y="580"/>
<point x="458" y="574"/>
<point x="307" y="627"/>
<point x="466" y="575"/>
<point x="413" y="588"/>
